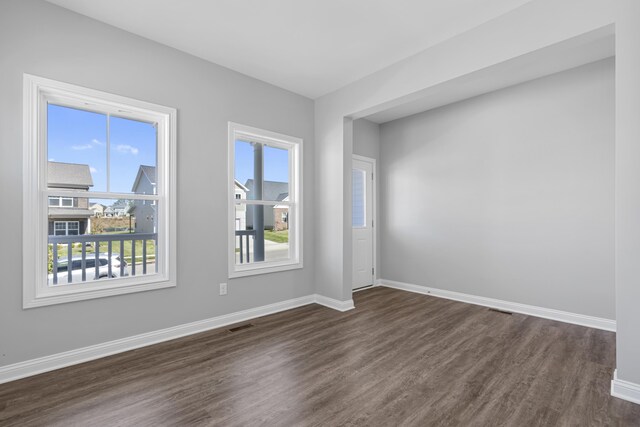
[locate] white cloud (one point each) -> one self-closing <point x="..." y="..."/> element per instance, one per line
<point x="125" y="148"/>
<point x="52" y="159"/>
<point x="82" y="147"/>
<point x="97" y="141"/>
<point x="93" y="170"/>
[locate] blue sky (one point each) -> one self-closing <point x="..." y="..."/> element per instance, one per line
<point x="77" y="136"/>
<point x="275" y="161"/>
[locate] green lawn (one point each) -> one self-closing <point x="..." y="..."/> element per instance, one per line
<point x="277" y="236"/>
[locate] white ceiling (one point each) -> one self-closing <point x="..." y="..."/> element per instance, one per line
<point x="311" y="47"/>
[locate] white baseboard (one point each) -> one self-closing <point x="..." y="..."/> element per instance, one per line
<point x="624" y="389"/>
<point x="532" y="310"/>
<point x="73" y="357"/>
<point x="334" y="303"/>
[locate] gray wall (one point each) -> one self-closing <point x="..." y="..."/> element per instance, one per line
<point x="366" y="138"/>
<point x="42" y="39"/>
<point x="366" y="142"/>
<point x="509" y="195"/>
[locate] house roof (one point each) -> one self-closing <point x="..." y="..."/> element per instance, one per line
<point x="147" y="171"/>
<point x="69" y="175"/>
<point x="242" y="187"/>
<point x="285" y="199"/>
<point x="69" y="213"/>
<point x="271" y="190"/>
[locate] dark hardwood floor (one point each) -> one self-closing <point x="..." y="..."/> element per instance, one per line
<point x="397" y="359"/>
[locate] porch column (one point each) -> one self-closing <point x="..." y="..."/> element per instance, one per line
<point x="258" y="210"/>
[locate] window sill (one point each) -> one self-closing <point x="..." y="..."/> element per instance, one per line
<point x="257" y="269"/>
<point x="48" y="296"/>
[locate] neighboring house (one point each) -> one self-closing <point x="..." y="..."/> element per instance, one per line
<point x="116" y="210"/>
<point x="271" y="190"/>
<point x="281" y="216"/>
<point x="241" y="210"/>
<point x="69" y="216"/>
<point x="97" y="209"/>
<point x="145" y="210"/>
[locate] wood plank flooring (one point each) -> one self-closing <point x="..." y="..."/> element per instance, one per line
<point x="398" y="359"/>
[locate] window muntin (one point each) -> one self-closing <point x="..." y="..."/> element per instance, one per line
<point x="90" y="115"/>
<point x="268" y="165"/>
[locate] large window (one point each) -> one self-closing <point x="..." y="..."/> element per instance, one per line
<point x="265" y="224"/>
<point x="87" y="151"/>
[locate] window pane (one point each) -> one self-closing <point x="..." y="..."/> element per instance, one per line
<point x="358" y="196"/>
<point x="76" y="149"/>
<point x="244" y="171"/>
<point x="273" y="245"/>
<point x="67" y="202"/>
<point x="130" y="226"/>
<point x="133" y="153"/>
<point x="276" y="174"/>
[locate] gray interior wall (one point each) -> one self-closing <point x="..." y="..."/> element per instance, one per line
<point x="509" y="195"/>
<point x="366" y="138"/>
<point x="41" y="39"/>
<point x="366" y="142"/>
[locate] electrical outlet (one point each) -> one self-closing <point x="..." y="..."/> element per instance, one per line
<point x="223" y="288"/>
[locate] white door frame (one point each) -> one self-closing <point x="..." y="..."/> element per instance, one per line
<point x="374" y="217"/>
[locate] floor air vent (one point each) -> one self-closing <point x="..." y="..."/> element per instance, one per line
<point x="500" y="311"/>
<point x="241" y="327"/>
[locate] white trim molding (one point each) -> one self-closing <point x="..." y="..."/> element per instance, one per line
<point x="38" y="92"/>
<point x="40" y="365"/>
<point x="374" y="211"/>
<point x="334" y="303"/>
<point x="294" y="146"/>
<point x="532" y="310"/>
<point x="624" y="389"/>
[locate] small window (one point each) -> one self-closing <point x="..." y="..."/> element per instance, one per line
<point x="65" y="202"/>
<point x="86" y="148"/>
<point x="66" y="228"/>
<point x="265" y="226"/>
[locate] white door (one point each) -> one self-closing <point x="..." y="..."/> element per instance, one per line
<point x="362" y="221"/>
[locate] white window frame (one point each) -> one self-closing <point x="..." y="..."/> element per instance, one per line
<point x="38" y="92"/>
<point x="66" y="228"/>
<point x="294" y="146"/>
<point x="60" y="204"/>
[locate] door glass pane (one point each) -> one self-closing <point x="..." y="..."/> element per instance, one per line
<point x="358" y="216"/>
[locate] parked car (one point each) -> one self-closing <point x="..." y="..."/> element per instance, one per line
<point x="90" y="265"/>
